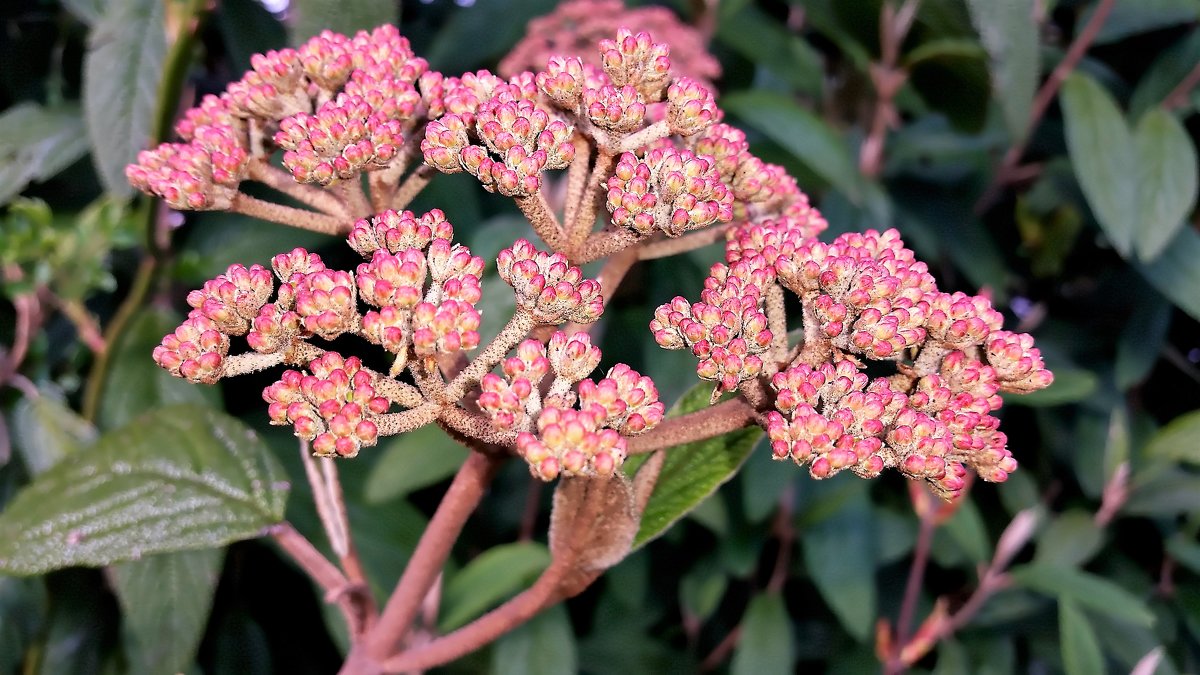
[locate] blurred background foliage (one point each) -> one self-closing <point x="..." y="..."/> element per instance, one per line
<point x="1073" y="207"/>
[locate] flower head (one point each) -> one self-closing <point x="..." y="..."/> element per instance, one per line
<point x="548" y="286"/>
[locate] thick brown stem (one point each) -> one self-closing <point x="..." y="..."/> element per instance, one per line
<point x="354" y="197"/>
<point x="577" y="176"/>
<point x="278" y="213"/>
<point x="604" y="244"/>
<point x="665" y="248"/>
<point x="459" y="502"/>
<point x="279" y="180"/>
<point x="593" y="195"/>
<point x="731" y="415"/>
<point x="537" y="210"/>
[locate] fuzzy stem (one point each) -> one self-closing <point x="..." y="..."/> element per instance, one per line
<point x="593" y="194"/>
<point x="604" y="244"/>
<point x="412" y="186"/>
<point x="539" y="214"/>
<point x="722" y="418"/>
<point x="286" y="215"/>
<point x="516" y="328"/>
<point x="402" y="422"/>
<point x="250" y="362"/>
<point x="577" y="176"/>
<point x="276" y="179"/>
<point x="400" y="393"/>
<point x="643" y="137"/>
<point x="460" y="500"/>
<point x="477" y="427"/>
<point x="777" y="322"/>
<point x="354" y="197"/>
<point x="665" y="248"/>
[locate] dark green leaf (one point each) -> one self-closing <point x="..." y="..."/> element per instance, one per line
<point x="493" y="576"/>
<point x="36" y="143"/>
<point x="89" y="11"/>
<point x="165" y="600"/>
<point x="802" y="133"/>
<point x="1165" y="493"/>
<point x="1142" y="340"/>
<point x="1130" y="17"/>
<point x="693" y="471"/>
<point x="177" y="478"/>
<point x="1102" y="152"/>
<point x="1080" y="648"/>
<point x="1168" y="70"/>
<point x="248" y="28"/>
<point x="1070" y="385"/>
<point x="1010" y="36"/>
<point x="967" y="529"/>
<point x="309" y="17"/>
<point x="217" y="239"/>
<point x="22" y="612"/>
<point x="944" y="47"/>
<point x="767" y="42"/>
<point x="763" y="479"/>
<point x="412" y="461"/>
<point x="839" y="552"/>
<point x="543" y="646"/>
<point x="489" y="28"/>
<point x="1175" y="273"/>
<point x="135" y="383"/>
<point x="1166" y="161"/>
<point x="701" y="590"/>
<point x="241" y="647"/>
<point x="121" y="75"/>
<point x="76" y="628"/>
<point x="1070" y="540"/>
<point x="766" y="643"/>
<point x="1088" y="590"/>
<point x="1179" y="441"/>
<point x="1184" y="551"/>
<point x="45" y="430"/>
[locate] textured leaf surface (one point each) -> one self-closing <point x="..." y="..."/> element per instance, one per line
<point x="1080" y="649"/>
<point x="1102" y="154"/>
<point x="121" y="74"/>
<point x="800" y="132"/>
<point x="1088" y="590"/>
<point x="36" y="143"/>
<point x="1178" y="441"/>
<point x="766" y="643"/>
<point x="1010" y="36"/>
<point x="493" y="576"/>
<point x="412" y="461"/>
<point x="178" y="478"/>
<point x="1166" y="181"/>
<point x="166" y="599"/>
<point x="693" y="471"/>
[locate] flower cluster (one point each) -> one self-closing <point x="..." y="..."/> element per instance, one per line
<point x="548" y="286"/>
<point x="564" y="431"/>
<point x="334" y="405"/>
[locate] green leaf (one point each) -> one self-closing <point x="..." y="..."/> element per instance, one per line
<point x="309" y="17"/>
<point x="693" y="471"/>
<point x="1169" y="69"/>
<point x="701" y="589"/>
<point x="1090" y="591"/>
<point x="967" y="529"/>
<point x="543" y="646"/>
<point x="1166" y="161"/>
<point x="1070" y="385"/>
<point x="1010" y="36"/>
<point x="22" y="612"/>
<point x="176" y="478"/>
<point x="135" y="383"/>
<point x="121" y="75"/>
<point x="1175" y="273"/>
<point x="801" y="133"/>
<point x="412" y="461"/>
<point x="771" y="45"/>
<point x="77" y="627"/>
<point x="165" y="601"/>
<point x="1179" y="441"/>
<point x="489" y="28"/>
<point x="1070" y="540"/>
<point x="45" y="430"/>
<point x="1164" y="493"/>
<point x="248" y="28"/>
<point x="763" y="481"/>
<point x="839" y="552"/>
<point x="1130" y="17"/>
<point x="89" y="11"/>
<point x="1080" y="648"/>
<point x="766" y="643"/>
<point x="493" y="576"/>
<point x="1102" y="154"/>
<point x="1142" y="340"/>
<point x="36" y="143"/>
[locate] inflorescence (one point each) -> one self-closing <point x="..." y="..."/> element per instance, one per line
<point x="634" y="140"/>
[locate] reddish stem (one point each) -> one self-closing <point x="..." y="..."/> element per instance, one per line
<point x="722" y="418"/>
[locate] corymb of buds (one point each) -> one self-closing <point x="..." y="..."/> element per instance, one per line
<point x="201" y="175"/>
<point x="672" y="191"/>
<point x="344" y="137"/>
<point x="637" y="61"/>
<point x="691" y="107"/>
<point x="234" y="299"/>
<point x="334" y="406"/>
<point x="548" y="287"/>
<point x="196" y="351"/>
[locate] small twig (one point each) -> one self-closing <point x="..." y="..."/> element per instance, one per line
<point x="516" y="329"/>
<point x="459" y="502"/>
<point x="337" y="588"/>
<point x="664" y="248"/>
<point x="721" y="652"/>
<point x="277" y="179"/>
<point x="731" y="415"/>
<point x="412" y="186"/>
<point x="1041" y="102"/>
<point x="577" y="176"/>
<point x="785" y="532"/>
<point x="593" y="194"/>
<point x="533" y="502"/>
<point x="927" y="525"/>
<point x="327" y="511"/>
<point x="604" y="244"/>
<point x="539" y="214"/>
<point x="1179" y="94"/>
<point x="888" y="77"/>
<point x="286" y="215"/>
<point x="354" y="197"/>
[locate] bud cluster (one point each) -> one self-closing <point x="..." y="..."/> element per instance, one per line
<point x="562" y="431"/>
<point x="668" y="190"/>
<point x="548" y="287"/>
<point x="334" y="405"/>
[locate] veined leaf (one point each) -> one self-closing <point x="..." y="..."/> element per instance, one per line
<point x="121" y="75"/>
<point x="1010" y="36"/>
<point x="1179" y="441"/>
<point x="36" y="143"/>
<point x="493" y="576"/>
<point x="1166" y="161"/>
<point x="1088" y="590"/>
<point x="692" y="472"/>
<point x="177" y="478"/>
<point x="1080" y="649"/>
